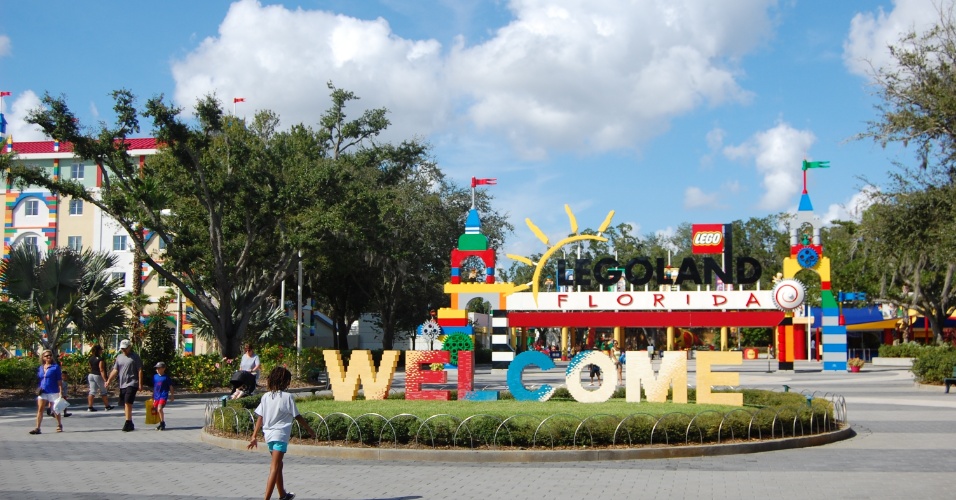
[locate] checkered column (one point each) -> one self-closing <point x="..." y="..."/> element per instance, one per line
<point x="834" y="334"/>
<point x="502" y="354"/>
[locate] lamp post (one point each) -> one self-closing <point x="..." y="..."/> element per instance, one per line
<point x="298" y="313"/>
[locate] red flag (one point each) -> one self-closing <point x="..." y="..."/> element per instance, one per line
<point x="238" y="99"/>
<point x="481" y="182"/>
<point x="4" y="93"/>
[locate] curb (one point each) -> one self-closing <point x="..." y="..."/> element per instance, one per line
<point x="513" y="456"/>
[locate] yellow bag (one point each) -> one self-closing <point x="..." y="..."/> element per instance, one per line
<point x="152" y="416"/>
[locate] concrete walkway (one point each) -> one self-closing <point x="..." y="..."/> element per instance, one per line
<point x="905" y="448"/>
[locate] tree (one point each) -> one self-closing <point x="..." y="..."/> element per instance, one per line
<point x="918" y="98"/>
<point x="910" y="235"/>
<point x="195" y="195"/>
<point x="60" y="289"/>
<point x="908" y="231"/>
<point x="385" y="226"/>
<point x="158" y="344"/>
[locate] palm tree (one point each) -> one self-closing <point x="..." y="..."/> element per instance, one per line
<point x="268" y="324"/>
<point x="61" y="289"/>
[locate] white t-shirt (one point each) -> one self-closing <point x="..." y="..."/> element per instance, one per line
<point x="249" y="362"/>
<point x="277" y="410"/>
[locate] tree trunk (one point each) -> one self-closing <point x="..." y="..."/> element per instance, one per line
<point x="343" y="335"/>
<point x="231" y="346"/>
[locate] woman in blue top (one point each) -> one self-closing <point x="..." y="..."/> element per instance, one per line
<point x="50" y="388"/>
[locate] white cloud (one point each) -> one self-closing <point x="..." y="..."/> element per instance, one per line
<point x="5" y="46"/>
<point x="599" y="76"/>
<point x="694" y="197"/>
<point x="853" y="208"/>
<point x="17" y="127"/>
<point x="715" y="138"/>
<point x="777" y="153"/>
<point x="281" y="59"/>
<point x="871" y="33"/>
<point x="562" y="74"/>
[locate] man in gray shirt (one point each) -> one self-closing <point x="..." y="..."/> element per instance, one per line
<point x="128" y="370"/>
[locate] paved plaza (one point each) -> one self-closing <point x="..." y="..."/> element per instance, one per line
<point x="905" y="447"/>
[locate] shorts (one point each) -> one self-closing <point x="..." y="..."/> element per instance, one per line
<point x="97" y="385"/>
<point x="280" y="446"/>
<point x="159" y="402"/>
<point x="128" y="394"/>
<point x="50" y="397"/>
<point x="595" y="371"/>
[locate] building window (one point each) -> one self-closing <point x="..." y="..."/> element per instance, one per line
<point x="74" y="242"/>
<point x="76" y="207"/>
<point x="77" y="170"/>
<point x="33" y="207"/>
<point x="162" y="244"/>
<point x="162" y="281"/>
<point x="119" y="243"/>
<point x="30" y="241"/>
<point x="121" y="277"/>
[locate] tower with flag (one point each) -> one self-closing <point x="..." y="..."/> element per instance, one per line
<point x="806" y="254"/>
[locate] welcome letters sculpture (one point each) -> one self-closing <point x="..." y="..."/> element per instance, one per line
<point x="672" y="374"/>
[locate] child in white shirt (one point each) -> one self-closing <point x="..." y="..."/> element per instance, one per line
<point x="275" y="414"/>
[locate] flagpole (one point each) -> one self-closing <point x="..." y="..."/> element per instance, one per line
<point x="474" y="182"/>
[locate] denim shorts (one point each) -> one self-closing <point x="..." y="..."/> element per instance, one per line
<point x="280" y="446"/>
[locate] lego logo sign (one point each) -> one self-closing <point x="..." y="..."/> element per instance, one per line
<point x="707" y="238"/>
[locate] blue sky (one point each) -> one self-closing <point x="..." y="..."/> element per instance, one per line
<point x="664" y="111"/>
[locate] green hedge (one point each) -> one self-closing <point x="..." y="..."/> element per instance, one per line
<point x="907" y="350"/>
<point x="19" y="374"/>
<point x="776" y="419"/>
<point x="934" y="364"/>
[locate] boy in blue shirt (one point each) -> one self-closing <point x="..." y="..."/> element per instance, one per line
<point x="162" y="392"/>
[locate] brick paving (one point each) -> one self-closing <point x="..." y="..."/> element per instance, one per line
<point x="905" y="447"/>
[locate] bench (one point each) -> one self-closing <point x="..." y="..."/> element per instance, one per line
<point x="320" y="379"/>
<point x="950" y="381"/>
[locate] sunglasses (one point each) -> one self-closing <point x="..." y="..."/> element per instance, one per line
<point x="47" y="356"/>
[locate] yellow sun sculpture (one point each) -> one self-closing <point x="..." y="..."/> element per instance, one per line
<point x="575" y="237"/>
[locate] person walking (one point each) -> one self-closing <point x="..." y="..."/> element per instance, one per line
<point x="618" y="362"/>
<point x="162" y="392"/>
<point x="49" y="388"/>
<point x="128" y="370"/>
<point x="97" y="379"/>
<point x="274" y="417"/>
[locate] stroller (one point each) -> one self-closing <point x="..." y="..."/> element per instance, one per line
<point x="243" y="384"/>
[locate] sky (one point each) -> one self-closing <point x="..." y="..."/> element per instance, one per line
<point x="663" y="111"/>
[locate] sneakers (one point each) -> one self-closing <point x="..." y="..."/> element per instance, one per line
<point x="91" y="409"/>
<point x="128" y="426"/>
<point x="108" y="408"/>
<point x="67" y="414"/>
<point x="288" y="496"/>
<point x="161" y="426"/>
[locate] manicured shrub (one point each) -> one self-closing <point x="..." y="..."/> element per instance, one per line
<point x="905" y="350"/>
<point x="19" y="373"/>
<point x="934" y="364"/>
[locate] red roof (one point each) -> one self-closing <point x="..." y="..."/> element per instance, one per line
<point x="66" y="147"/>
